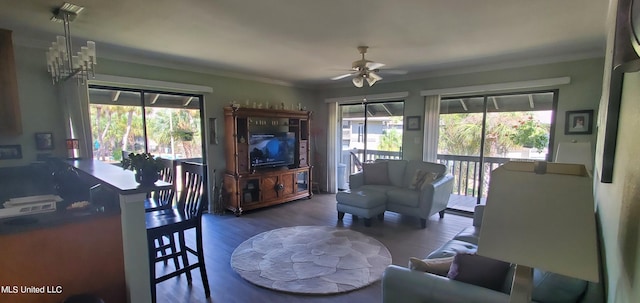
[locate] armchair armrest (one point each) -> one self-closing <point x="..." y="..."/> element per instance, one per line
<point x="401" y="284"/>
<point x="356" y="180"/>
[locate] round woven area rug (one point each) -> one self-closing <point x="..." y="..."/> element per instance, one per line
<point x="311" y="259"/>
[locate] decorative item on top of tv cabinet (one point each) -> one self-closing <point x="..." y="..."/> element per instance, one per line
<point x="267" y="157"/>
<point x="146" y="167"/>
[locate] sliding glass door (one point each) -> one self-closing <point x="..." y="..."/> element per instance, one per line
<point x="165" y="124"/>
<point x="480" y="133"/>
<point x="369" y="131"/>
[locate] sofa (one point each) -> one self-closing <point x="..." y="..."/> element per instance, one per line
<point x="400" y="284"/>
<point x="409" y="187"/>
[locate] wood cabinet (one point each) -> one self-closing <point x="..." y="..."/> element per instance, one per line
<point x="250" y="184"/>
<point x="10" y="119"/>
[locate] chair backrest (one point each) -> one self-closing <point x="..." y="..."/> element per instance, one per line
<point x="193" y="189"/>
<point x="167" y="174"/>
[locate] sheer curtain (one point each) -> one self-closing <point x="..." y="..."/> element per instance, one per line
<point x="75" y="99"/>
<point x="431" y="127"/>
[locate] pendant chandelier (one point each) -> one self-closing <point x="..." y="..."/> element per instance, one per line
<point x="62" y="63"/>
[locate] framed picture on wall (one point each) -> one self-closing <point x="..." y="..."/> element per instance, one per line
<point x="44" y="141"/>
<point x="10" y="152"/>
<point x="578" y="122"/>
<point x="413" y="123"/>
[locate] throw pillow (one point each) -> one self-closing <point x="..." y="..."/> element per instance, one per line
<point x="438" y="266"/>
<point x="478" y="270"/>
<point x="376" y="173"/>
<point x="421" y="178"/>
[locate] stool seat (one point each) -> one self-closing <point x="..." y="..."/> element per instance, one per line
<point x="364" y="203"/>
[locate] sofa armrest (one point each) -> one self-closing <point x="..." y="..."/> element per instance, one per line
<point x="401" y="284"/>
<point x="435" y="196"/>
<point x="478" y="212"/>
<point x="356" y="180"/>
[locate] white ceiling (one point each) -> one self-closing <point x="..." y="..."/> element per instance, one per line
<point x="306" y="42"/>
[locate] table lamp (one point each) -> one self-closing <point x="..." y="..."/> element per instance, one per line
<point x="540" y="215"/>
<point x="575" y="152"/>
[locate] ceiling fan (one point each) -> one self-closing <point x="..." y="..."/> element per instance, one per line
<point x="364" y="69"/>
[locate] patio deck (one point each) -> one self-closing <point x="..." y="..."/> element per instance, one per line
<point x="464" y="203"/>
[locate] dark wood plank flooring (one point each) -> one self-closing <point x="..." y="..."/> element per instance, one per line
<point x="222" y="234"/>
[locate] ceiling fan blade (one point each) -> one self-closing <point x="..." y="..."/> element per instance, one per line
<point x="342" y="76"/>
<point x="374" y="65"/>
<point x="375" y="76"/>
<point x="393" y="71"/>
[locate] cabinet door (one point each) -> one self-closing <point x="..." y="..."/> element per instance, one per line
<point x="268" y="187"/>
<point x="288" y="184"/>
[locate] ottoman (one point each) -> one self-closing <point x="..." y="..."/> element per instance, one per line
<point x="363" y="203"/>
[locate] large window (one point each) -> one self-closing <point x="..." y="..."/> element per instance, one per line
<point x="479" y="133"/>
<point x="165" y="124"/>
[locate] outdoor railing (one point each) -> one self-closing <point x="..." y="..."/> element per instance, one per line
<point x="466" y="172"/>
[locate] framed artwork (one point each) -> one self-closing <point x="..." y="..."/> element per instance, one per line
<point x="44" y="141"/>
<point x="413" y="123"/>
<point x="10" y="152"/>
<point x="579" y="122"/>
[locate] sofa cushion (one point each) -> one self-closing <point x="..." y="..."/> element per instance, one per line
<point x="422" y="177"/>
<point x="556" y="288"/>
<point x="452" y="248"/>
<point x="376" y="173"/>
<point x="377" y="188"/>
<point x="396" y="172"/>
<point x="478" y="270"/>
<point x="439" y="266"/>
<point x="404" y="197"/>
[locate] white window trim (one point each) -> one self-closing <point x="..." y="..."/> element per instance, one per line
<point x="496" y="87"/>
<point x="127" y="82"/>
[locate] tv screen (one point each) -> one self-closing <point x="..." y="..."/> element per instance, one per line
<point x="271" y="150"/>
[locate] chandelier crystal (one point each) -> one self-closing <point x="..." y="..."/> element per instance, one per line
<point x="62" y="63"/>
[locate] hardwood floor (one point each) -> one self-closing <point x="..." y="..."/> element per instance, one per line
<point x="222" y="234"/>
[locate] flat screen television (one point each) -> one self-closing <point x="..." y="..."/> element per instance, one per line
<point x="271" y="149"/>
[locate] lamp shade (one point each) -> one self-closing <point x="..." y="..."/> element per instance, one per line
<point x="575" y="152"/>
<point x="541" y="215"/>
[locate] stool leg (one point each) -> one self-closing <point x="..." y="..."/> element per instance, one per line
<point x="172" y="244"/>
<point x="203" y="268"/>
<point x="423" y="223"/>
<point x="340" y="215"/>
<point x="151" y="243"/>
<point x="381" y="217"/>
<point x="183" y="253"/>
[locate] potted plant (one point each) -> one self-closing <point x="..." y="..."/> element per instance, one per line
<point x="530" y="133"/>
<point x="145" y="165"/>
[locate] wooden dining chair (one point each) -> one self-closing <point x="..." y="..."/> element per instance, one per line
<point x="162" y="199"/>
<point x="169" y="222"/>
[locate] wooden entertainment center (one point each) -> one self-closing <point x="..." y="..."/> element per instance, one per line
<point x="271" y="172"/>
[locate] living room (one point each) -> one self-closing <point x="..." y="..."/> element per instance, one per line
<point x="616" y="202"/>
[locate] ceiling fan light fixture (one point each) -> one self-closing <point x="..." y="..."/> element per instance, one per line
<point x="372" y="78"/>
<point x="357" y="81"/>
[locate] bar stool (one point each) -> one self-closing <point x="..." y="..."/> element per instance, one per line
<point x="169" y="222"/>
<point x="162" y="199"/>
